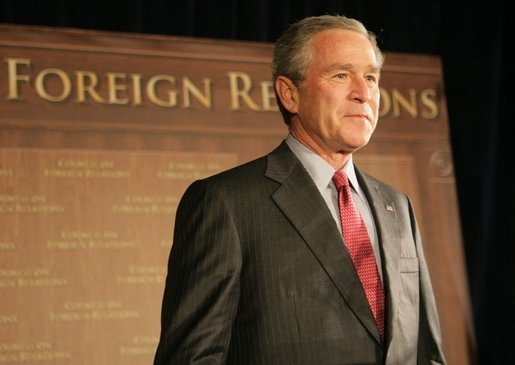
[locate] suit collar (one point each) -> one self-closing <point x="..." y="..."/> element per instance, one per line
<point x="298" y="197"/>
<point x="280" y="163"/>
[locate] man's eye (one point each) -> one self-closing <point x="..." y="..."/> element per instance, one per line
<point x="371" y="78"/>
<point x="341" y="76"/>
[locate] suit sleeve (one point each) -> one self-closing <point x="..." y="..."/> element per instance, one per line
<point x="429" y="350"/>
<point x="202" y="285"/>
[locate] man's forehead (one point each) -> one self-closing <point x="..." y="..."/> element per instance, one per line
<point x="333" y="40"/>
<point x="345" y="53"/>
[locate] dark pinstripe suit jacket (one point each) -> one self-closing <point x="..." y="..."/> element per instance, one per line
<point x="259" y="274"/>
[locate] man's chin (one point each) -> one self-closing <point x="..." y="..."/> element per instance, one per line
<point x="356" y="145"/>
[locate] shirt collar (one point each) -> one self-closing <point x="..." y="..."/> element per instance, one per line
<point x="320" y="170"/>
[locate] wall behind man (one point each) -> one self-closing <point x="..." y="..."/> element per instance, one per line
<point x="477" y="58"/>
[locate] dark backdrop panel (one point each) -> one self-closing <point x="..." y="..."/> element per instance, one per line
<point x="477" y="57"/>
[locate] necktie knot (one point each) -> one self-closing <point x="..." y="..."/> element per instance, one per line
<point x="340" y="180"/>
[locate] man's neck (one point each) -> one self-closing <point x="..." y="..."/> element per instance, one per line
<point x="336" y="159"/>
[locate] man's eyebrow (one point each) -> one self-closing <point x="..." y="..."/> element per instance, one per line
<point x="340" y="66"/>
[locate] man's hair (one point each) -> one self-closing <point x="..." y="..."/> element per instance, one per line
<point x="292" y="54"/>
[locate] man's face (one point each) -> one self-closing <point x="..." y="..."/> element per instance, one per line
<point x="338" y="103"/>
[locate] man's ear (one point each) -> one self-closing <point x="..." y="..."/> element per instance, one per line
<point x="287" y="93"/>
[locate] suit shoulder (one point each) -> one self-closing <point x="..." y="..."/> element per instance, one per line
<point x="245" y="172"/>
<point x="383" y="186"/>
<point x="386" y="190"/>
<point x="244" y="176"/>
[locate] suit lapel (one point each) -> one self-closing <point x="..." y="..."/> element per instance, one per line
<point x="299" y="198"/>
<point x="385" y="217"/>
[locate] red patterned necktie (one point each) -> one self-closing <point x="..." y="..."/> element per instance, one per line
<point x="360" y="249"/>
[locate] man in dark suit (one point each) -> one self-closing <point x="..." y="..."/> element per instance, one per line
<point x="298" y="257"/>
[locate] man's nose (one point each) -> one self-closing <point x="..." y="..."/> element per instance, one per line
<point x="360" y="91"/>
